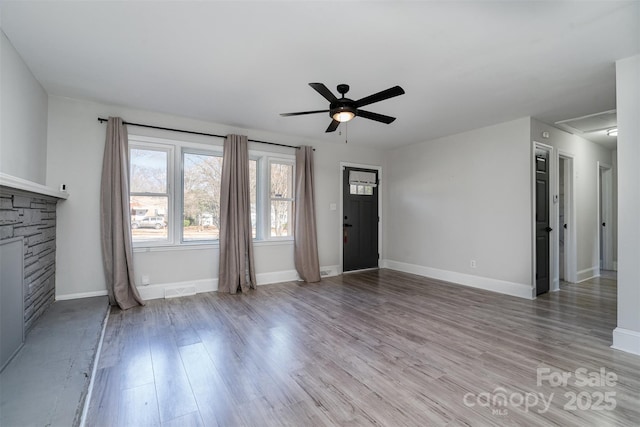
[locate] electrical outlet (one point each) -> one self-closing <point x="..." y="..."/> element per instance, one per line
<point x="145" y="280"/>
<point x="473" y="263"/>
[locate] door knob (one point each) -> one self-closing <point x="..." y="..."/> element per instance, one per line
<point x="348" y="225"/>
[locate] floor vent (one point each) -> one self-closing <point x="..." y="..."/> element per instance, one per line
<point x="179" y="291"/>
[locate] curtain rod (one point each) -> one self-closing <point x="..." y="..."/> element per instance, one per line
<point x="101" y="120"/>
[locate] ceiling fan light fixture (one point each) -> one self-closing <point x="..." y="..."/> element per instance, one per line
<point x="344" y="109"/>
<point x="612" y="132"/>
<point x="343" y="116"/>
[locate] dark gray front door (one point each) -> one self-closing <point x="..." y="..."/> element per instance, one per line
<point x="360" y="224"/>
<point x="542" y="222"/>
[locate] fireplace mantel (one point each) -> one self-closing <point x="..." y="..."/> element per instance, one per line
<point x="30" y="187"/>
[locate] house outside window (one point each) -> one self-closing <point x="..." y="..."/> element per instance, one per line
<point x="150" y="198"/>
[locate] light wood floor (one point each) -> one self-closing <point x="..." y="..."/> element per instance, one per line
<point x="374" y="348"/>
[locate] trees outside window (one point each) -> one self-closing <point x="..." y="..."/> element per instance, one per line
<point x="281" y="198"/>
<point x="202" y="175"/>
<point x="184" y="207"/>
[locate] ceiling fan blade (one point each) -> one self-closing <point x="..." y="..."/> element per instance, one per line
<point x="375" y="116"/>
<point x="324" y="91"/>
<point x="380" y="96"/>
<point x="301" y="113"/>
<point x="333" y="126"/>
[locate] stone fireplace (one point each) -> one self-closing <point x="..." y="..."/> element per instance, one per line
<point x="28" y="213"/>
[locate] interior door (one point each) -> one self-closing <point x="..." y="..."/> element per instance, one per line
<point x="543" y="229"/>
<point x="562" y="218"/>
<point x="603" y="222"/>
<point x="606" y="229"/>
<point x="360" y="223"/>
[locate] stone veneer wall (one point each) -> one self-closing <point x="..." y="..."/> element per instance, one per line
<point x="32" y="216"/>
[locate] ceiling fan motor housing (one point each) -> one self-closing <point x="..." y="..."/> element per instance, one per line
<point x="342" y="89"/>
<point x="342" y="105"/>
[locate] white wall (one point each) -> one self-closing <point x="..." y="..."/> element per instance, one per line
<point x="23" y="118"/>
<point x="586" y="157"/>
<point x="614" y="160"/>
<point x="75" y="149"/>
<point x="463" y="197"/>
<point x="627" y="335"/>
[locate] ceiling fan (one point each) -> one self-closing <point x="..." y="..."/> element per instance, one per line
<point x="344" y="109"/>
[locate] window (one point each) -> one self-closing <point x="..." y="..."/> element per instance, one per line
<point x="201" y="196"/>
<point x="184" y="208"/>
<point x="253" y="195"/>
<point x="363" y="190"/>
<point x="362" y="183"/>
<point x="281" y="198"/>
<point x="149" y="193"/>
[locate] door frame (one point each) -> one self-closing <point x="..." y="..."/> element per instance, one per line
<point x="344" y="165"/>
<point x="570" y="239"/>
<point x="604" y="212"/>
<point x="553" y="219"/>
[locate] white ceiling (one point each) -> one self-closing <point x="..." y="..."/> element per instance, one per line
<point x="594" y="127"/>
<point x="463" y="64"/>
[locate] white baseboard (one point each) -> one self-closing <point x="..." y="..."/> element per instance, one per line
<point x="588" y="273"/>
<point x="329" y="271"/>
<point x="175" y="289"/>
<point x="160" y="290"/>
<point x="626" y="340"/>
<point x="292" y="275"/>
<point x="277" y="277"/>
<point x="501" y="286"/>
<point x="211" y="285"/>
<point x="81" y="295"/>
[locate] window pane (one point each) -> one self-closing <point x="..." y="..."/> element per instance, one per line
<point x="201" y="197"/>
<point x="281" y="189"/>
<point x="148" y="173"/>
<point x="253" y="181"/>
<point x="361" y="190"/>
<point x="281" y="215"/>
<point x="281" y="180"/>
<point x="149" y="218"/>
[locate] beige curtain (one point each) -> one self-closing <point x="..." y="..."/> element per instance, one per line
<point x="115" y="219"/>
<point x="237" y="269"/>
<point x="305" y="237"/>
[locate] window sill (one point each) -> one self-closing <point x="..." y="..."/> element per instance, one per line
<point x="201" y="246"/>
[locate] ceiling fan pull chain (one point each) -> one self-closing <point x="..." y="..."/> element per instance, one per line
<point x="346" y="132"/>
